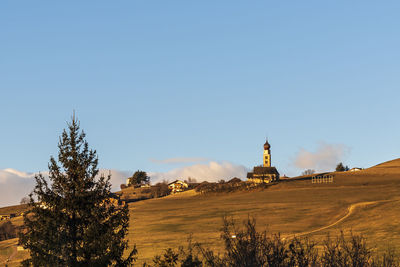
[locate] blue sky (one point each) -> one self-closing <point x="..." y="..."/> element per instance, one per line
<point x="201" y="81"/>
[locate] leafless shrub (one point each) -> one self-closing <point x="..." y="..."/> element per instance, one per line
<point x="7" y="231"/>
<point x="388" y="259"/>
<point x="228" y="187"/>
<point x="160" y="190"/>
<point x="346" y="252"/>
<point x="247" y="247"/>
<point x="302" y="252"/>
<point x="24" y="200"/>
<point x="168" y="259"/>
<point x="308" y="172"/>
<point x="123" y="186"/>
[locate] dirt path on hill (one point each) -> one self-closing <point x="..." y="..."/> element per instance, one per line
<point x="350" y="211"/>
<point x="11" y="256"/>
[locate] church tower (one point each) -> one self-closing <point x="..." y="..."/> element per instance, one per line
<point x="265" y="173"/>
<point x="267" y="155"/>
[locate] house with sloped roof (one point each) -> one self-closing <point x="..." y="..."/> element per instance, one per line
<point x="177" y="186"/>
<point x="7" y="216"/>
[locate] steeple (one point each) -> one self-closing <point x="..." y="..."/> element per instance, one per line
<point x="267" y="154"/>
<point x="267" y="145"/>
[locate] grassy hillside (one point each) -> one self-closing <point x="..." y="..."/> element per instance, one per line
<point x="134" y="194"/>
<point x="17" y="209"/>
<point x="367" y="202"/>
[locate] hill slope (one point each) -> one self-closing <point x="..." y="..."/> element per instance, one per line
<point x="395" y="163"/>
<point x="367" y="202"/>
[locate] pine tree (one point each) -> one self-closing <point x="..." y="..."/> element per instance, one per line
<point x="139" y="178"/>
<point x="341" y="168"/>
<point x="72" y="220"/>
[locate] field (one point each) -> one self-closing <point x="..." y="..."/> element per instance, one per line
<point x="366" y="202"/>
<point x="17" y="209"/>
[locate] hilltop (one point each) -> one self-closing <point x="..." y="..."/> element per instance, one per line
<point x="388" y="167"/>
<point x="366" y="201"/>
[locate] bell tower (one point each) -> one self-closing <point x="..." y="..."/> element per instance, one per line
<point x="267" y="154"/>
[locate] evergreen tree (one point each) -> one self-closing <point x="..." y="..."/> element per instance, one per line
<point x="72" y="220"/>
<point x="341" y="168"/>
<point x="139" y="178"/>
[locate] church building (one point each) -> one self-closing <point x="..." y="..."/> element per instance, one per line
<point x="264" y="173"/>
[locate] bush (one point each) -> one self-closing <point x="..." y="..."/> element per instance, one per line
<point x="185" y="257"/>
<point x="388" y="259"/>
<point x="24" y="200"/>
<point x="343" y="252"/>
<point x="168" y="259"/>
<point x="230" y="186"/>
<point x="146" y="191"/>
<point x="123" y="186"/>
<point x="7" y="231"/>
<point x="160" y="190"/>
<point x="246" y="247"/>
<point x="308" y="172"/>
<point x="302" y="252"/>
<point x="235" y="180"/>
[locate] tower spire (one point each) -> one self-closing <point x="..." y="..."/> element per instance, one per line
<point x="267" y="145"/>
<point x="267" y="154"/>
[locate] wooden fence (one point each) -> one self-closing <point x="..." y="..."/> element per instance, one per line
<point x="322" y="179"/>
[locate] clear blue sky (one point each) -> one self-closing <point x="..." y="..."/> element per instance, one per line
<point x="210" y="79"/>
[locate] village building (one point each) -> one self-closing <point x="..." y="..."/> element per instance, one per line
<point x="177" y="186"/>
<point x="7" y="216"/>
<point x="115" y="200"/>
<point x="265" y="173"/>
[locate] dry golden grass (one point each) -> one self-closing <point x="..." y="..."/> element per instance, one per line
<point x="291" y="208"/>
<point x="17" y="209"/>
<point x="134" y="194"/>
<point x="8" y="250"/>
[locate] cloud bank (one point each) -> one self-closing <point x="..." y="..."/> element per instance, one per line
<point x="211" y="172"/>
<point x="179" y="160"/>
<point x="325" y="158"/>
<point x="14" y="184"/>
<point x="117" y="178"/>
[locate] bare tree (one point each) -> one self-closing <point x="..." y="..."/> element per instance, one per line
<point x="24" y="200"/>
<point x="308" y="172"/>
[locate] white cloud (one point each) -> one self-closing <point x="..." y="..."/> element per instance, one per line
<point x="211" y="172"/>
<point x="14" y="184"/>
<point x="179" y="160"/>
<point x="117" y="178"/>
<point x="325" y="158"/>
